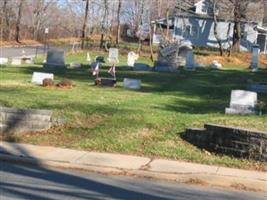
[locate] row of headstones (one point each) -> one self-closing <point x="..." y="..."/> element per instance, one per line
<point x="39" y="77"/>
<point x="17" y="60"/>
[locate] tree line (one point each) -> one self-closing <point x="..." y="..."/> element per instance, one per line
<point x="28" y="19"/>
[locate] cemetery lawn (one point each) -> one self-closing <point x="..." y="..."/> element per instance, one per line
<point x="148" y="122"/>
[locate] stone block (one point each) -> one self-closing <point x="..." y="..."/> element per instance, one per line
<point x="132" y="83"/>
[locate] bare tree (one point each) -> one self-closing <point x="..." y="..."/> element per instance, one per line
<point x="265" y="13"/>
<point x="85" y="23"/>
<point x="104" y="24"/>
<point x="118" y="22"/>
<point x="19" y="20"/>
<point x="215" y="27"/>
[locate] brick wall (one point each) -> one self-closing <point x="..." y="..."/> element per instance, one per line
<point x="231" y="141"/>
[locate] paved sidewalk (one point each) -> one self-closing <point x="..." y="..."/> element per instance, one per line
<point x="134" y="166"/>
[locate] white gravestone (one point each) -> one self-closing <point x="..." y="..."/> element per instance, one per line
<point x="132" y="83"/>
<point x="132" y="57"/>
<point x="242" y="102"/>
<point x="38" y="77"/>
<point x="216" y="65"/>
<point x="88" y="57"/>
<point x="16" y="61"/>
<point x="190" y="61"/>
<point x="113" y="57"/>
<point x="3" y="61"/>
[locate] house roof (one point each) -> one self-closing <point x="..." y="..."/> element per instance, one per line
<point x="261" y="29"/>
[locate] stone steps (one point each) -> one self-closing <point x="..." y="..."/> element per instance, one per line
<point x="231" y="141"/>
<point x="14" y="120"/>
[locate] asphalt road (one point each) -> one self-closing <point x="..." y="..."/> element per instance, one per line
<point x="33" y="183"/>
<point x="10" y="52"/>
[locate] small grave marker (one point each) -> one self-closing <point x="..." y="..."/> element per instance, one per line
<point x="132" y="57"/>
<point x="190" y="61"/>
<point x="132" y="83"/>
<point x="16" y="61"/>
<point x="38" y="77"/>
<point x="255" y="55"/>
<point x="113" y="57"/>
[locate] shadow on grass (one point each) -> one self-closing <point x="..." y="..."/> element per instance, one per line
<point x="198" y="92"/>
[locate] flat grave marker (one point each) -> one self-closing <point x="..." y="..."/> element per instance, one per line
<point x="134" y="84"/>
<point x="38" y="77"/>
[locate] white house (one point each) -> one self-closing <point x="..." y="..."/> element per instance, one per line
<point x="195" y="22"/>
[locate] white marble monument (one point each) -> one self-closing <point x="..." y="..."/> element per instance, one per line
<point x="38" y="77"/>
<point x="242" y="102"/>
<point x="132" y="57"/>
<point x="113" y="57"/>
<point x="3" y="61"/>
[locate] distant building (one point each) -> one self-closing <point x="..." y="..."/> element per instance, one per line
<point x="195" y="22"/>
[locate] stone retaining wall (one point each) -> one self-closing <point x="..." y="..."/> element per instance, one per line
<point x="14" y="120"/>
<point x="231" y="141"/>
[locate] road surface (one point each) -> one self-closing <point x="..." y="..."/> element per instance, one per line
<point x="33" y="183"/>
<point x="11" y="52"/>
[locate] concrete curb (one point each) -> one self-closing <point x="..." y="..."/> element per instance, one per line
<point x="154" y="169"/>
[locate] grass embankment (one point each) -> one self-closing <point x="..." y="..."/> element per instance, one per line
<point x="148" y="122"/>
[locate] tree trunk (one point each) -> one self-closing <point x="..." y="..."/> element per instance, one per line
<point x="7" y="23"/>
<point x="17" y="34"/>
<point x="85" y="23"/>
<point x="103" y="26"/>
<point x="236" y="36"/>
<point x="265" y="14"/>
<point x="237" y="26"/>
<point x="215" y="28"/>
<point x="167" y="18"/>
<point x="118" y="23"/>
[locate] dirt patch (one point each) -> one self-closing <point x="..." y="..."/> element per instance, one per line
<point x="241" y="59"/>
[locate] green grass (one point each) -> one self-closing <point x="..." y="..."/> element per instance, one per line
<point x="146" y="122"/>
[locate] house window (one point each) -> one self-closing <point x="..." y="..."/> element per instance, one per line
<point x="187" y="31"/>
<point x="195" y="32"/>
<point x="204" y="9"/>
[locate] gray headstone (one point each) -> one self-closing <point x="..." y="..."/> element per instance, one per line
<point x="242" y="102"/>
<point x="55" y="58"/>
<point x="190" y="62"/>
<point x="132" y="83"/>
<point x="255" y="55"/>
